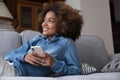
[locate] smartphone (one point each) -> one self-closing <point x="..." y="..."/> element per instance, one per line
<point x="37" y="49"/>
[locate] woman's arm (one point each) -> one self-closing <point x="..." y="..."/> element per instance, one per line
<point x="18" y="54"/>
<point x="71" y="64"/>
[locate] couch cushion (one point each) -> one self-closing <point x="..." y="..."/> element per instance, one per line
<point x="113" y="66"/>
<point x="9" y="40"/>
<point x="97" y="76"/>
<point x="28" y="34"/>
<point x="105" y="76"/>
<point x="92" y="51"/>
<point x="87" y="69"/>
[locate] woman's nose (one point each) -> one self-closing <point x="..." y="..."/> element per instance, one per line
<point x="45" y="23"/>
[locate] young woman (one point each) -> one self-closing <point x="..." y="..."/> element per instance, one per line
<point x="60" y="26"/>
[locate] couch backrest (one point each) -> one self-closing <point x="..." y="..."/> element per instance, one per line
<point x="9" y="40"/>
<point x="91" y="48"/>
<point x="28" y="34"/>
<point x="92" y="51"/>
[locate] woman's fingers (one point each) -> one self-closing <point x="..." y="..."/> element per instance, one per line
<point x="41" y="59"/>
<point x="47" y="60"/>
<point x="32" y="58"/>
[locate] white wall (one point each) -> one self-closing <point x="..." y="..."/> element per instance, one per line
<point x="74" y="3"/>
<point x="96" y="14"/>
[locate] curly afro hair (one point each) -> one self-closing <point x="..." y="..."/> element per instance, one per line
<point x="69" y="20"/>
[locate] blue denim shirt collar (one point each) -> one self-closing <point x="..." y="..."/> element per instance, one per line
<point x="56" y="36"/>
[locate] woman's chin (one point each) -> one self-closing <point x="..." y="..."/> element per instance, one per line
<point x="44" y="33"/>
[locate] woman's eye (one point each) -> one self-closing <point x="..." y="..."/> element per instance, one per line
<point x="51" y="20"/>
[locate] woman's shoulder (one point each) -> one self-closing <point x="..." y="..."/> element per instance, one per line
<point x="37" y="38"/>
<point x="66" y="40"/>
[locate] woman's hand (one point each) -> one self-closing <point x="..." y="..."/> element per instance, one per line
<point x="39" y="59"/>
<point x="46" y="60"/>
<point x="32" y="58"/>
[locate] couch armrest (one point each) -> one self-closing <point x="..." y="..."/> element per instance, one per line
<point x="115" y="56"/>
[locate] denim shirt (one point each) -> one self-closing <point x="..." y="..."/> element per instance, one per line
<point x="63" y="50"/>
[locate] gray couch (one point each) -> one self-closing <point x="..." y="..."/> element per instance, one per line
<point x="91" y="51"/>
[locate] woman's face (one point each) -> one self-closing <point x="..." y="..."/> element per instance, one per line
<point x="49" y="24"/>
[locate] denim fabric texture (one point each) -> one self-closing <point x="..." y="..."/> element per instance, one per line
<point x="63" y="50"/>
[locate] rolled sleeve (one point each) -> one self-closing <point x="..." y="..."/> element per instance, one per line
<point x="56" y="67"/>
